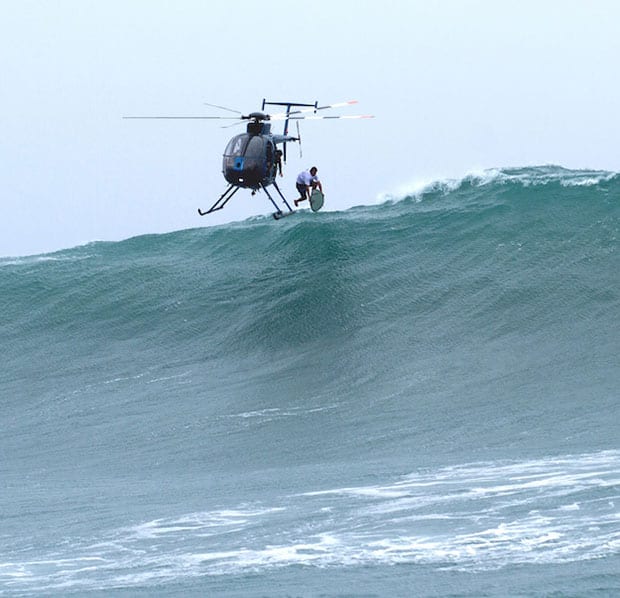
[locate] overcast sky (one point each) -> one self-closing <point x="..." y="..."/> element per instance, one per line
<point x="455" y="86"/>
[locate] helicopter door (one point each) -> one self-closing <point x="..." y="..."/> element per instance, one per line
<point x="254" y="161"/>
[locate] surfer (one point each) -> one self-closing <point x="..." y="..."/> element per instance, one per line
<point x="307" y="180"/>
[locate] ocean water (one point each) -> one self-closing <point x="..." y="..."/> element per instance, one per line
<point x="418" y="398"/>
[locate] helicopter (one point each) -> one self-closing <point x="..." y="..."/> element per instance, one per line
<point x="252" y="159"/>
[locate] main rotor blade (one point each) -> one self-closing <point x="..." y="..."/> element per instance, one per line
<point x="284" y="115"/>
<point x="239" y="122"/>
<point x="184" y="117"/>
<point x="222" y="108"/>
<point x="331" y="117"/>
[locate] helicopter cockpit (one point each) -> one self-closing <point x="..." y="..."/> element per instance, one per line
<point x="248" y="160"/>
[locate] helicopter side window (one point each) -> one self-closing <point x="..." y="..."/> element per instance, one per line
<point x="254" y="158"/>
<point x="255" y="148"/>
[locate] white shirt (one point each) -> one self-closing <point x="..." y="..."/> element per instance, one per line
<point x="305" y="178"/>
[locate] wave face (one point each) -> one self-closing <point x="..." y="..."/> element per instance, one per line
<point x="422" y="393"/>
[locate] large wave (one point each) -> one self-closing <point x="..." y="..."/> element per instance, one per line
<point x="432" y="380"/>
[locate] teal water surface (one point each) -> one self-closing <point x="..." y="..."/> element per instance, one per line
<point x="413" y="398"/>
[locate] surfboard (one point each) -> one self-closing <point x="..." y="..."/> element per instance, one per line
<point x="316" y="200"/>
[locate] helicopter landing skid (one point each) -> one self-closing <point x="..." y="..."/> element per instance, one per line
<point x="232" y="189"/>
<point x="221" y="202"/>
<point x="278" y="213"/>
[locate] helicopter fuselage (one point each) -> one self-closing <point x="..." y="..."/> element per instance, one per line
<point x="250" y="159"/>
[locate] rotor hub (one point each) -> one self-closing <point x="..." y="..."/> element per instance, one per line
<point x="258" y="116"/>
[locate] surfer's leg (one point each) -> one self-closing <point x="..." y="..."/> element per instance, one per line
<point x="303" y="194"/>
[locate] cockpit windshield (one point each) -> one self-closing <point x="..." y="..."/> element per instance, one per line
<point x="236" y="146"/>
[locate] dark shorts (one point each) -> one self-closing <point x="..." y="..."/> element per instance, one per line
<point x="303" y="190"/>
